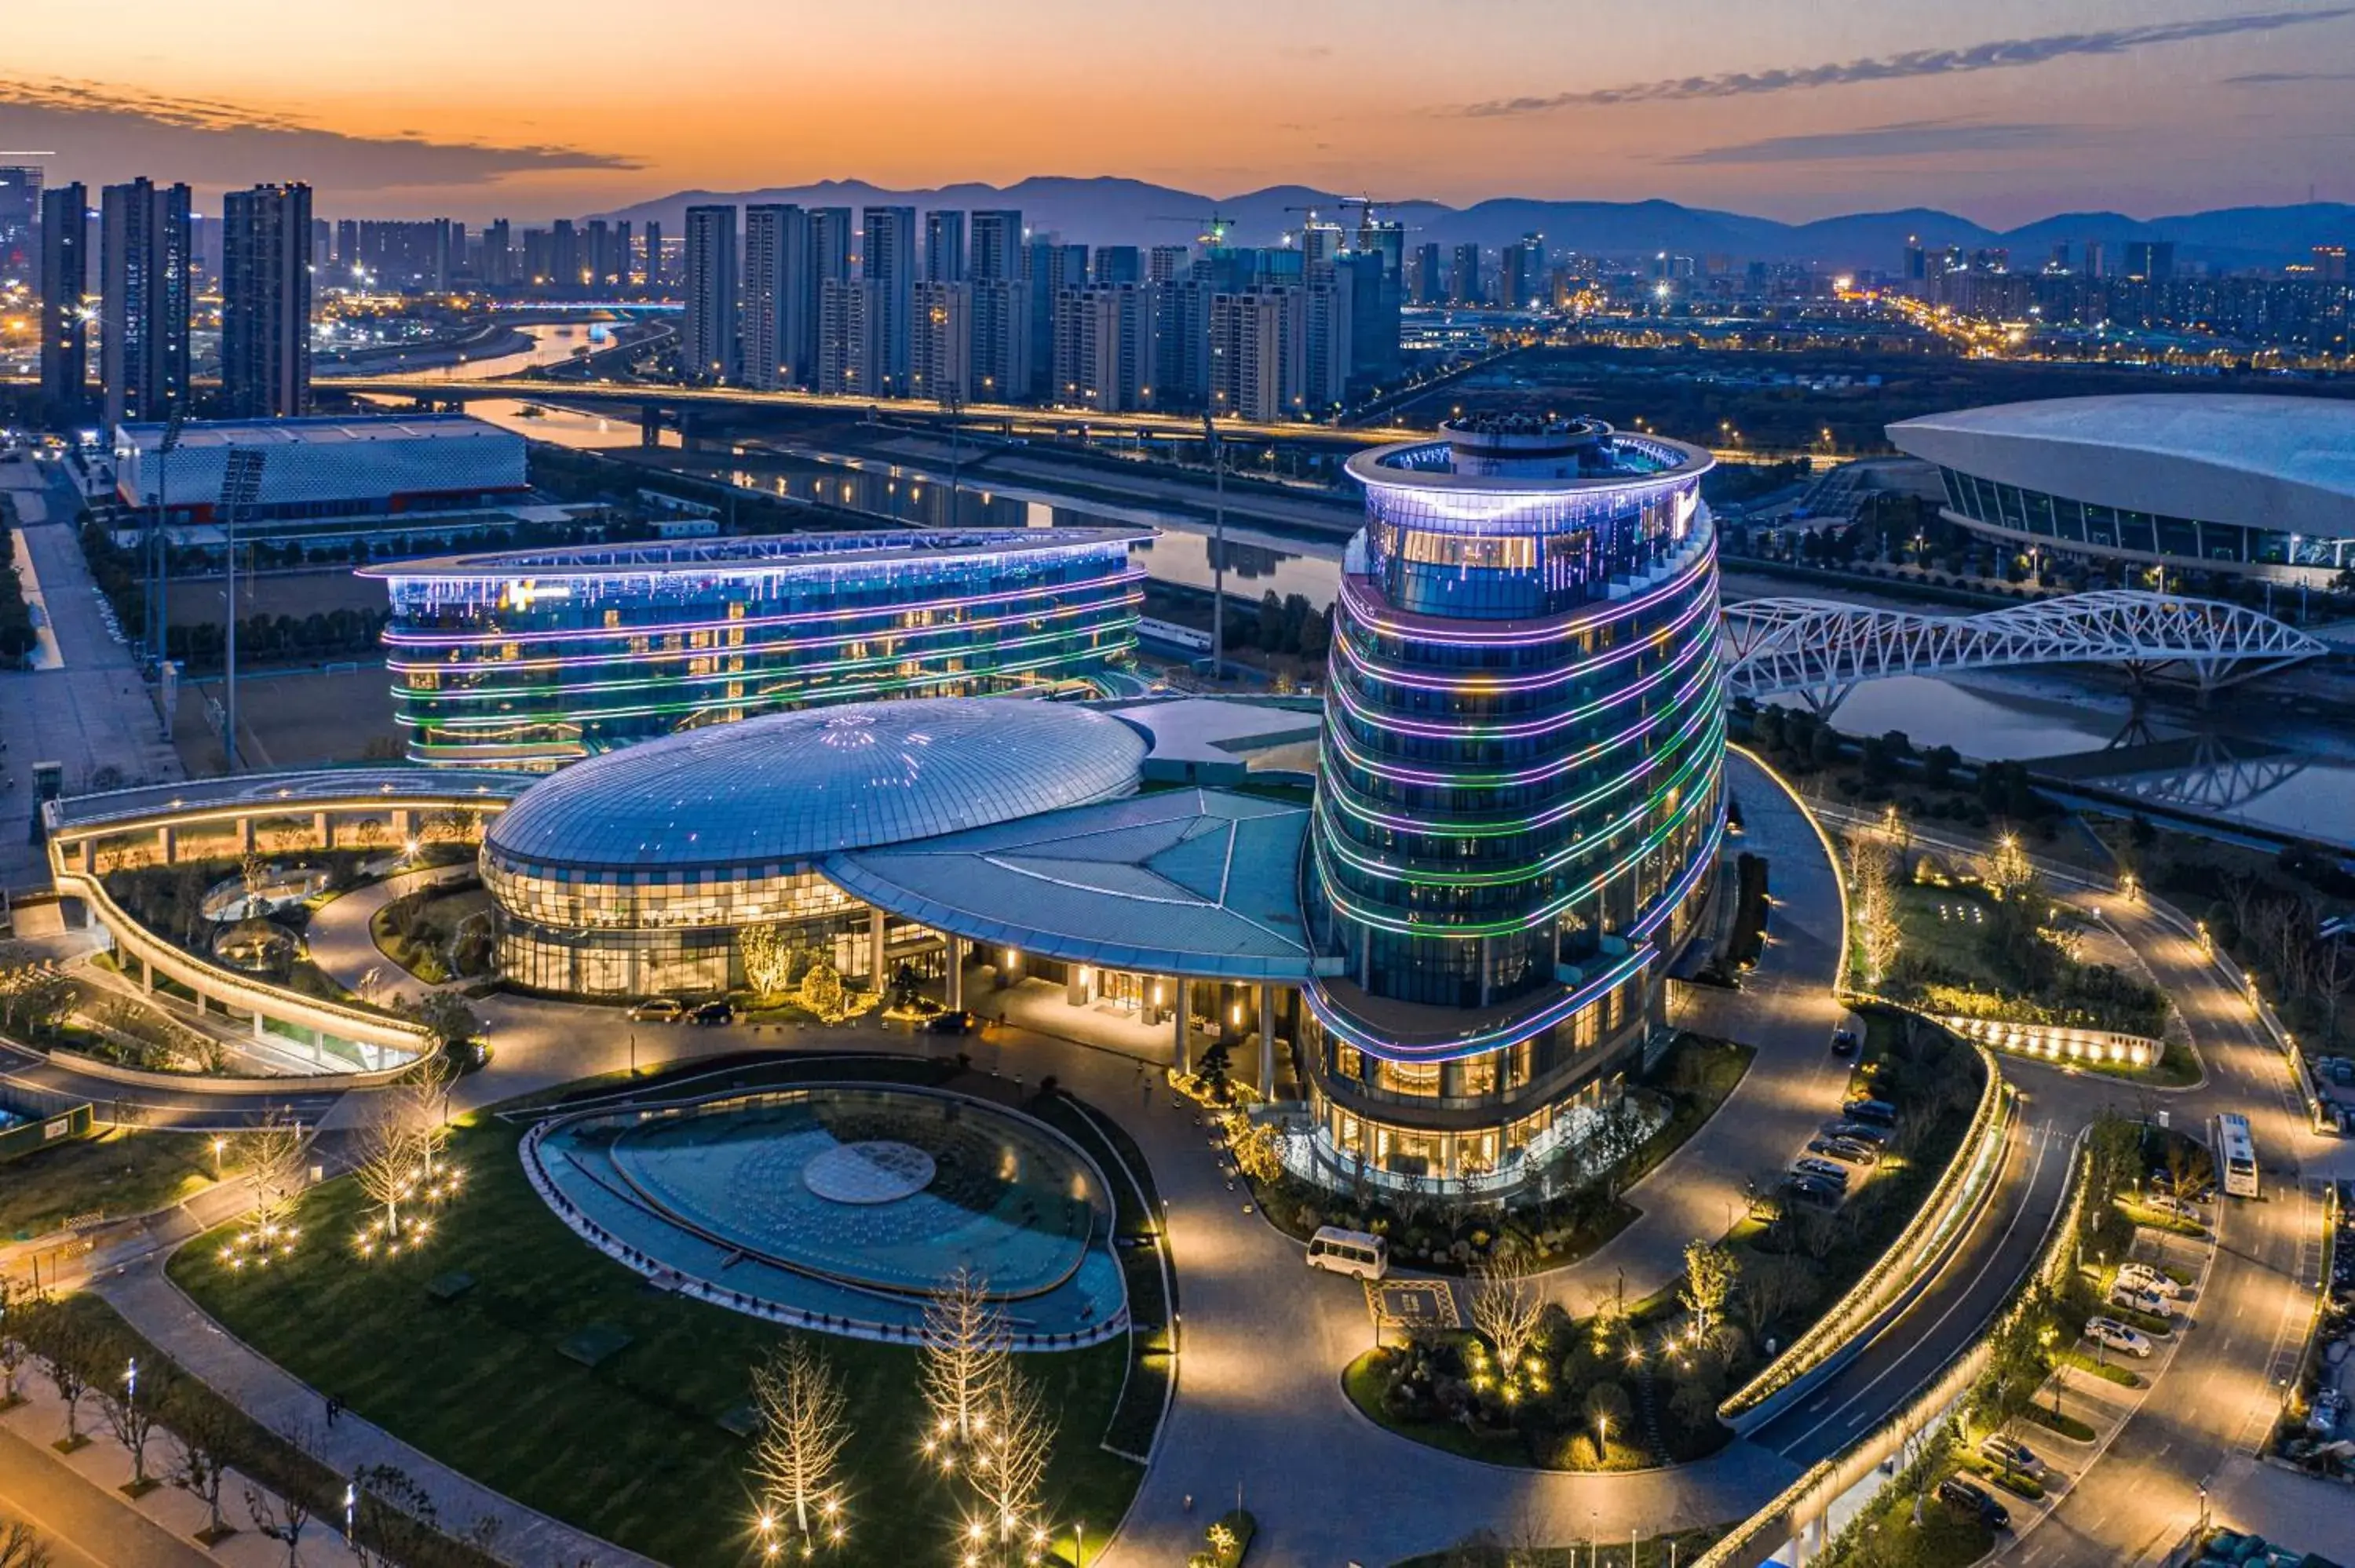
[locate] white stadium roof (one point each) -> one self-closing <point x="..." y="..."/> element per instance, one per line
<point x="2285" y="464"/>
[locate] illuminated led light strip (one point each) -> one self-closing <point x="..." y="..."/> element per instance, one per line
<point x="1501" y="1037"/>
<point x="683" y="683"/>
<point x="780" y="695"/>
<point x="1504" y="1036"/>
<point x="942" y="628"/>
<point x="1489" y="729"/>
<point x="1704" y="856"/>
<point x="423" y="638"/>
<point x="1368" y="607"/>
<point x="875" y="551"/>
<point x="1345" y="796"/>
<point x="1711" y="751"/>
<point x="1423" y="679"/>
<point x="1521" y="920"/>
<point x="1338" y="737"/>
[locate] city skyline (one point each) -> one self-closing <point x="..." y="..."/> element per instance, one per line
<point x="2009" y="111"/>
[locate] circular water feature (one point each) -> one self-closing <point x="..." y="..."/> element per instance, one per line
<point x="845" y="1205"/>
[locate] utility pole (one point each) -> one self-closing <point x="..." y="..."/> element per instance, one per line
<point x="158" y="618"/>
<point x="241" y="488"/>
<point x="1218" y="549"/>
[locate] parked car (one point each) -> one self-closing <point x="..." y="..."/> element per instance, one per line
<point x="1857" y="1151"/>
<point x="2124" y="1294"/>
<point x="2143" y="1277"/>
<point x="2109" y="1331"/>
<point x="2172" y="1206"/>
<point x="1841" y="1150"/>
<point x="1972" y="1498"/>
<point x="1862" y="1131"/>
<point x="1822" y="1170"/>
<point x="956" y="1020"/>
<point x="2330" y="1407"/>
<point x="1844" y="1042"/>
<point x="1809" y="1190"/>
<point x="721" y="1012"/>
<point x="1879" y="1112"/>
<point x="659" y="1009"/>
<point x="2012" y="1452"/>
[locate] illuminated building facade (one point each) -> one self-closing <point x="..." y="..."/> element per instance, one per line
<point x="1520" y="793"/>
<point x="2153" y="485"/>
<point x="536" y="658"/>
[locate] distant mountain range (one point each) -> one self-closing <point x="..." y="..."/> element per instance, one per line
<point x="1112" y="211"/>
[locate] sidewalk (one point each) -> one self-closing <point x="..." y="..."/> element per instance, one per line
<point x="77" y="1501"/>
<point x="156" y="1308"/>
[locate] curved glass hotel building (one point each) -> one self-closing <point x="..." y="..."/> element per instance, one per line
<point x="1518" y="792"/>
<point x="533" y="659"/>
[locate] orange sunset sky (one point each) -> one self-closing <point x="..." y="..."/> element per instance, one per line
<point x="2004" y="109"/>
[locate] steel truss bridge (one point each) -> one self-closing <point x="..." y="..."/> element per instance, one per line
<point x="1821" y="650"/>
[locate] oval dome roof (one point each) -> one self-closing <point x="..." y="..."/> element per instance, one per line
<point x="790" y="786"/>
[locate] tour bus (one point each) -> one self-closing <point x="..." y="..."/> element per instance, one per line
<point x="1349" y="1252"/>
<point x="2236" y="1155"/>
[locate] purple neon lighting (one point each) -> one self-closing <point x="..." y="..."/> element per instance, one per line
<point x="1372" y="611"/>
<point x="1505" y="1035"/>
<point x="1559" y="674"/>
<point x="1337" y="735"/>
<point x="580" y="660"/>
<point x="1471" y="728"/>
<point x="1340" y="848"/>
<point x="798" y="618"/>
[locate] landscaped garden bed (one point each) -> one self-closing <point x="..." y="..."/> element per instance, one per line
<point x="645" y="1447"/>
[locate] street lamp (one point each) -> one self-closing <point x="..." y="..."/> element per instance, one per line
<point x="218" y="1142"/>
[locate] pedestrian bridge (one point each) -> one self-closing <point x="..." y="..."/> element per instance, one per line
<point x="1821" y="650"/>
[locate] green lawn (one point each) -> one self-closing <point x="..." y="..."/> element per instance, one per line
<point x="117" y="1173"/>
<point x="632" y="1449"/>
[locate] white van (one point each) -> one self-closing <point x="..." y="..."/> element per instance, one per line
<point x="1349" y="1252"/>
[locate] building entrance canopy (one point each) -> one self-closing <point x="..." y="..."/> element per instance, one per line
<point x="1195" y="882"/>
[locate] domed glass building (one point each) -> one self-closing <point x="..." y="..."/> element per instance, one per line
<point x="630" y="874"/>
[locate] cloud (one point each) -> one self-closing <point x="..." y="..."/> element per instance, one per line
<point x="1905" y="139"/>
<point x="2006" y="55"/>
<point x="111" y="133"/>
<point x="2277" y="78"/>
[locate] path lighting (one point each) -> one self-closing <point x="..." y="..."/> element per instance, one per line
<point x="218" y="1144"/>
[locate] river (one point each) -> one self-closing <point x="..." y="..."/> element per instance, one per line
<point x="2291" y="773"/>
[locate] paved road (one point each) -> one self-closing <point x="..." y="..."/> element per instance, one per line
<point x="85" y="1526"/>
<point x="2215" y="1403"/>
<point x="1972" y="1283"/>
<point x="1259" y="1404"/>
<point x="89" y="715"/>
<point x="182" y="1110"/>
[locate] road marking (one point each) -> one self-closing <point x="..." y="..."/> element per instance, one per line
<point x="1952" y="1307"/>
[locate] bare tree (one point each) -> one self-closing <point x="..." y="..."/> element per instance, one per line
<point x="1010" y="1464"/>
<point x="394" y="1519"/>
<point x="15" y="1301"/>
<point x="1505" y="1307"/>
<point x="204" y="1437"/>
<point x="274" y="1155"/>
<point x="65" y="1347"/>
<point x="2333" y="975"/>
<point x="280" y="1519"/>
<point x="1710" y="1272"/>
<point x="20" y="1547"/>
<point x="1874" y="904"/>
<point x="768" y="955"/>
<point x="964" y="1358"/>
<point x="2007" y="867"/>
<point x="393" y="1149"/>
<point x="801" y="1405"/>
<point x="129" y="1404"/>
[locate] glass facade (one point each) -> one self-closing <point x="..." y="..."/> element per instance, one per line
<point x="2186" y="540"/>
<point x="1519" y="787"/>
<point x="536" y="658"/>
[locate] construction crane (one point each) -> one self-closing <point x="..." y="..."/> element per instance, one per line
<point x="1213" y="228"/>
